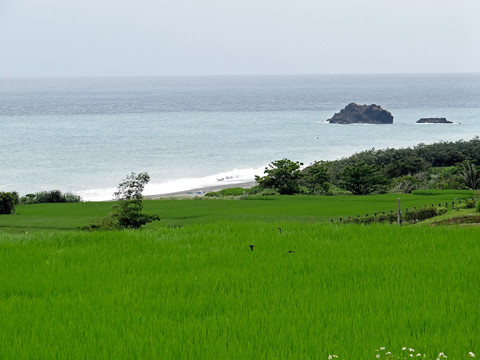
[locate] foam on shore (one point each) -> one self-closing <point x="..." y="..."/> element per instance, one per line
<point x="186" y="186"/>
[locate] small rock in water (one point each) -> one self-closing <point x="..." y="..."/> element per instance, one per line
<point x="434" y="121"/>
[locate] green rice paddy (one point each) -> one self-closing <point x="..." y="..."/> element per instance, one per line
<point x="191" y="288"/>
<point x="174" y="212"/>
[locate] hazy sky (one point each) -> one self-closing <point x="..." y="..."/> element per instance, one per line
<point x="210" y="37"/>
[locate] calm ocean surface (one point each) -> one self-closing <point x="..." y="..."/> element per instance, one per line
<point x="86" y="134"/>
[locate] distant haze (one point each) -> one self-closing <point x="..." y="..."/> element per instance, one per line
<point x="233" y="37"/>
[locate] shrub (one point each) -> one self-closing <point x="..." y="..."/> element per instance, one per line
<point x="71" y="198"/>
<point x="382" y="218"/>
<point x="405" y="184"/>
<point x="27" y="199"/>
<point x="422" y="213"/>
<point x="441" y="211"/>
<point x="260" y="191"/>
<point x="477" y="206"/>
<point x="127" y="212"/>
<point x="15" y="197"/>
<point x="470" y="203"/>
<point x="7" y="203"/>
<point x="52" y="196"/>
<point x="389" y="217"/>
<point x="461" y="206"/>
<point x="236" y="191"/>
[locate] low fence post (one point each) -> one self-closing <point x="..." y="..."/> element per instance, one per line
<point x="399" y="213"/>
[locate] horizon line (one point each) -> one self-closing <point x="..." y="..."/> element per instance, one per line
<point x="236" y="75"/>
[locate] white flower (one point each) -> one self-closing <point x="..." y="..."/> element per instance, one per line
<point x="378" y="356"/>
<point x="404" y="348"/>
<point x="382" y="348"/>
<point x="471" y="354"/>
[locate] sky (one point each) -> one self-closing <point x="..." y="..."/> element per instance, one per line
<point x="44" y="38"/>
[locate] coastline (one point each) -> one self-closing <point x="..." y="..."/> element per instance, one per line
<point x="200" y="192"/>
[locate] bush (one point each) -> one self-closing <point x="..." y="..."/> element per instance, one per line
<point x="382" y="218"/>
<point x="477" y="206"/>
<point x="7" y="203"/>
<point x="461" y="206"/>
<point x="15" y="197"/>
<point x="71" y="198"/>
<point x="44" y="197"/>
<point x="127" y="212"/>
<point x="423" y="213"/>
<point x="236" y="191"/>
<point x="470" y="203"/>
<point x="48" y="197"/>
<point x="405" y="184"/>
<point x="27" y="199"/>
<point x="260" y="191"/>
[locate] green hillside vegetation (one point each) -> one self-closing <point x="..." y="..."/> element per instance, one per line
<point x="444" y="165"/>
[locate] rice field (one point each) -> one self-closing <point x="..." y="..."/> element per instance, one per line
<point x="308" y="209"/>
<point x="198" y="291"/>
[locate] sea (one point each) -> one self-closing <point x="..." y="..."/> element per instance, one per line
<point x="85" y="135"/>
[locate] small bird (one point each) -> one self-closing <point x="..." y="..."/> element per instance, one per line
<point x="280" y="229"/>
<point x="251" y="247"/>
<point x="289" y="252"/>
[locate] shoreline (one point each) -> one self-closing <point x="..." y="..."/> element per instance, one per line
<point x="200" y="192"/>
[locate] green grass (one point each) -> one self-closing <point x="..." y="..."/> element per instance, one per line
<point x="188" y="287"/>
<point x="308" y="209"/>
<point x="198" y="292"/>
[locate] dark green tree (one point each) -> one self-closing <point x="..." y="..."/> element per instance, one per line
<point x="7" y="203"/>
<point x="361" y="179"/>
<point x="281" y="175"/>
<point x="316" y="177"/>
<point x="410" y="165"/>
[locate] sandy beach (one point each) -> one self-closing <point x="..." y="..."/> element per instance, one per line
<point x="202" y="191"/>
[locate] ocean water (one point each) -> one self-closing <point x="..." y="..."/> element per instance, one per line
<point x="86" y="134"/>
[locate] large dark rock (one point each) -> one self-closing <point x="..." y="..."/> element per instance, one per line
<point x="362" y="114"/>
<point x="434" y="121"/>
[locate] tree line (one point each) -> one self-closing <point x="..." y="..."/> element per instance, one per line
<point x="443" y="165"/>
